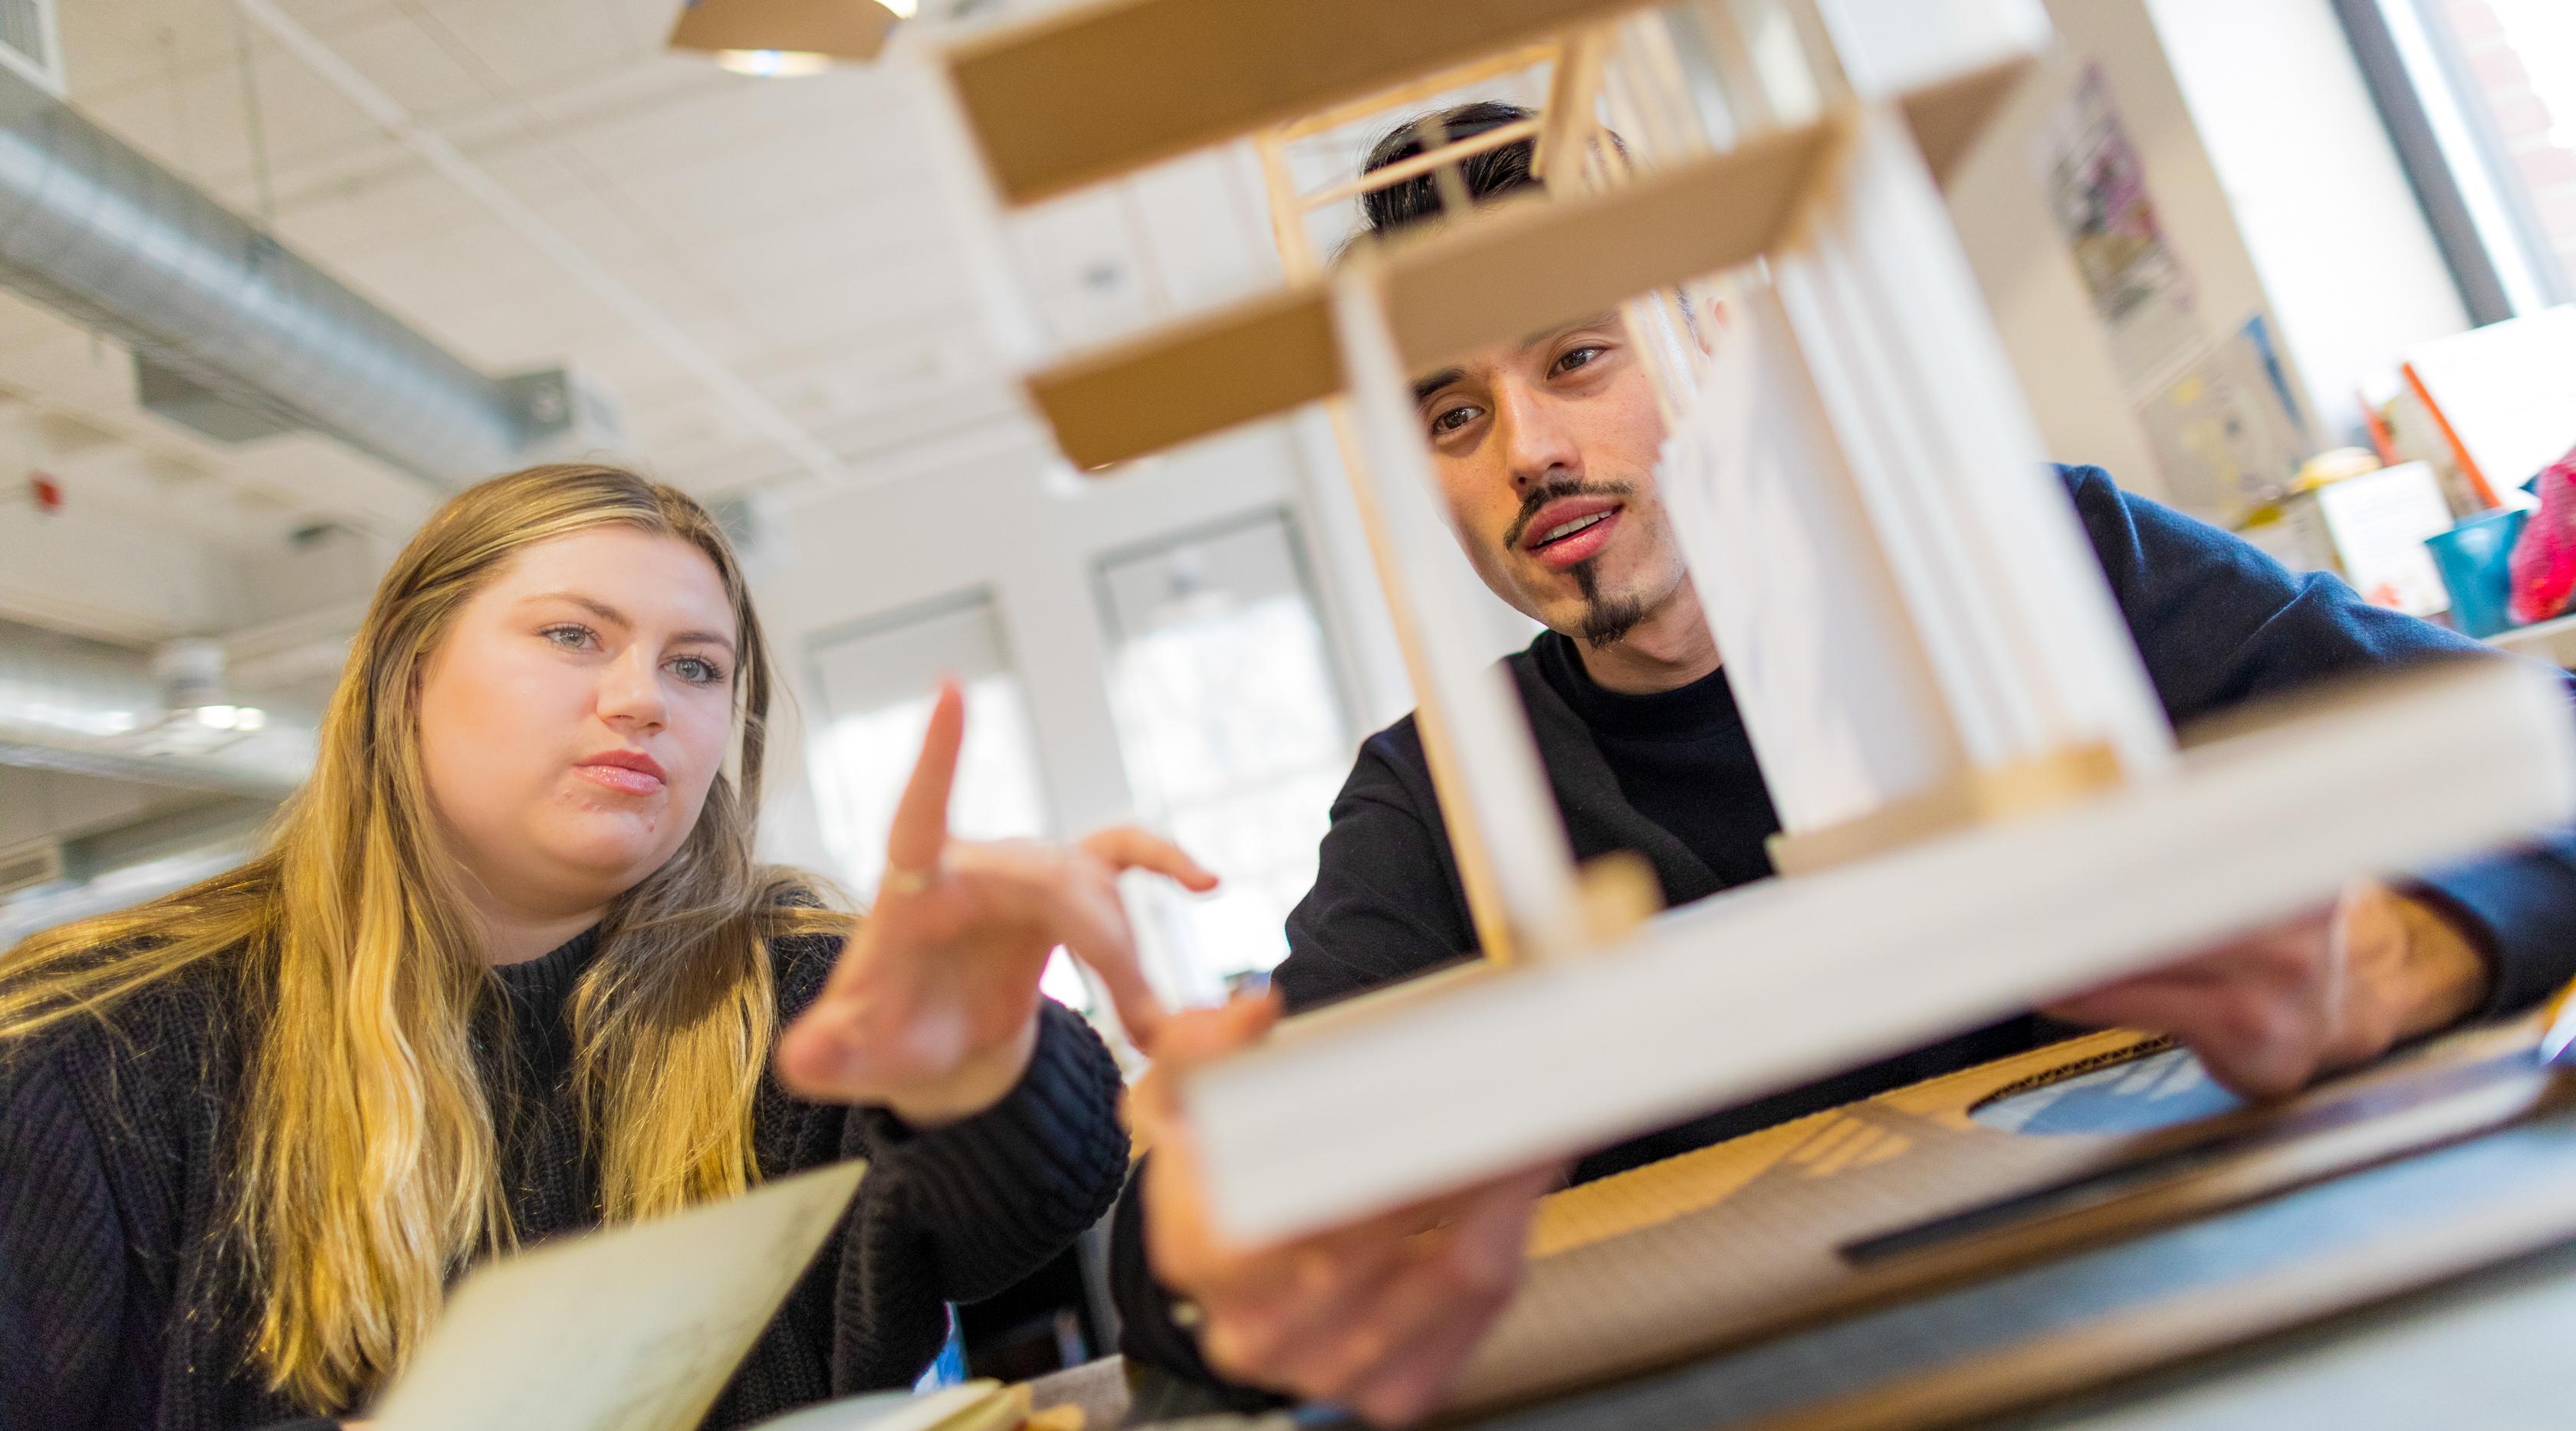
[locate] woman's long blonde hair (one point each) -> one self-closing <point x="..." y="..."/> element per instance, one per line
<point x="365" y="1141"/>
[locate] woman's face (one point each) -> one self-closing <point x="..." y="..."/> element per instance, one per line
<point x="575" y="714"/>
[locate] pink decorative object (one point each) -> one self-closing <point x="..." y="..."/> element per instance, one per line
<point x="2544" y="560"/>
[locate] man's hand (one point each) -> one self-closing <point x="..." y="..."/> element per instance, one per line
<point x="931" y="1010"/>
<point x="1376" y="1317"/>
<point x="2333" y="988"/>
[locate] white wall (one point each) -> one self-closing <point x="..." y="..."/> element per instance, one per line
<point x="2316" y="187"/>
<point x="2276" y="186"/>
<point x="2047" y="321"/>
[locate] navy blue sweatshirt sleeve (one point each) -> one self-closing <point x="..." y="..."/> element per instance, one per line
<point x="2220" y="622"/>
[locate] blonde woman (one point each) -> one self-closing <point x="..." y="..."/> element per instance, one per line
<point x="506" y="970"/>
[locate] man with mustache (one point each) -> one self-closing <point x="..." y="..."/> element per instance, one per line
<point x="1545" y="451"/>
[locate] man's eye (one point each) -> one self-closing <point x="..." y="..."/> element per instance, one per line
<point x="1453" y="419"/>
<point x="1579" y="357"/>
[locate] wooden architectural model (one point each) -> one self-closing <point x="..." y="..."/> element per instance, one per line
<point x="1984" y="806"/>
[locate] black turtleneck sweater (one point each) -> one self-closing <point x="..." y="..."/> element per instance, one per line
<point x="1681" y="758"/>
<point x="122" y="1301"/>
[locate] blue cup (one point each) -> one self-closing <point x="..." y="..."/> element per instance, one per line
<point x="2474" y="559"/>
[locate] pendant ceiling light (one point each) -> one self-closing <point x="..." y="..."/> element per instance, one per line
<point x="779" y="38"/>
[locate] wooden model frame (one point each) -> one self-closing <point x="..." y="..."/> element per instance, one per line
<point x="1984" y="807"/>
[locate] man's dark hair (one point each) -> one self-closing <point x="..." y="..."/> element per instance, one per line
<point x="1497" y="171"/>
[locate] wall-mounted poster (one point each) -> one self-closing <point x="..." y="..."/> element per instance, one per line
<point x="2097" y="191"/>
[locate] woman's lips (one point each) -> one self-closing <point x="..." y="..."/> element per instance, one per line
<point x="1564" y="552"/>
<point x="622" y="779"/>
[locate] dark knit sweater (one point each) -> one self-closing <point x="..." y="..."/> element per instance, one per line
<point x="122" y="1306"/>
<point x="1672" y="776"/>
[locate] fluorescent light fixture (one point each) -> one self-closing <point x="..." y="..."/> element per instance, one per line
<point x="235" y="718"/>
<point x="778" y="38"/>
<point x="773" y="64"/>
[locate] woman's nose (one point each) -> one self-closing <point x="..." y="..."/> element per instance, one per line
<point x="631" y="693"/>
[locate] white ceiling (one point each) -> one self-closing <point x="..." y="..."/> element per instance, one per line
<point x="792" y="228"/>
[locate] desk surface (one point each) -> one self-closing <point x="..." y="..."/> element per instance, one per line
<point x="2553" y="641"/>
<point x="2488" y="1351"/>
<point x="2484" y="1350"/>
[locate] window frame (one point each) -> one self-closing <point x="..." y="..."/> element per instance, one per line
<point x="2482" y="219"/>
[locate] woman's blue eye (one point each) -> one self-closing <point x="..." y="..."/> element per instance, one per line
<point x="570" y="637"/>
<point x="698" y="670"/>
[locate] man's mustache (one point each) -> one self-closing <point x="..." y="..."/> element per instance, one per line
<point x="1546" y="492"/>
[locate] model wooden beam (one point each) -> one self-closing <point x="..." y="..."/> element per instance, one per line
<point x="1501" y="273"/>
<point x="1253" y="360"/>
<point x="1086" y="94"/>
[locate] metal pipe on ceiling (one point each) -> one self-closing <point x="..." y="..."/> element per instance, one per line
<point x="68" y="704"/>
<point x="233" y="332"/>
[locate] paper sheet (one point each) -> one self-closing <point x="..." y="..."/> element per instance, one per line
<point x="2380" y="521"/>
<point x="632" y="1329"/>
<point x="980" y="1405"/>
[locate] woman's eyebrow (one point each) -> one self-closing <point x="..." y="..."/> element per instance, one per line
<point x="614" y="617"/>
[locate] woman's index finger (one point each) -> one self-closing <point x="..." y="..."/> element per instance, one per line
<point x="920" y="829"/>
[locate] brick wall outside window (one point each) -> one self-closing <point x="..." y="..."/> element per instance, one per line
<point x="2518" y="62"/>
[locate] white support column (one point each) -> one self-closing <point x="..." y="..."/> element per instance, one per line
<point x="1504" y="825"/>
<point x="2030" y="651"/>
<point x="1902" y="594"/>
<point x="1819" y="645"/>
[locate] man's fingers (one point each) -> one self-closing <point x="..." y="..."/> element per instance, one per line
<point x="920" y="831"/>
<point x="1414" y="1380"/>
<point x="1197" y="1036"/>
<point x="2250" y="1038"/>
<point x="1182" y="1042"/>
<point x="1297" y="1333"/>
<point x="1323" y="1316"/>
<point x="1125" y="847"/>
<point x="2279" y="961"/>
<point x="1433" y="1314"/>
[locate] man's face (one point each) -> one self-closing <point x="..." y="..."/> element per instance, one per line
<point x="1546" y="452"/>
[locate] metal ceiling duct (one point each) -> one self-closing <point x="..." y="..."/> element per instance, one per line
<point x="67" y="704"/>
<point x="232" y="332"/>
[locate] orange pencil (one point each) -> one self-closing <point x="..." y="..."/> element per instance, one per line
<point x="2562" y="1026"/>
